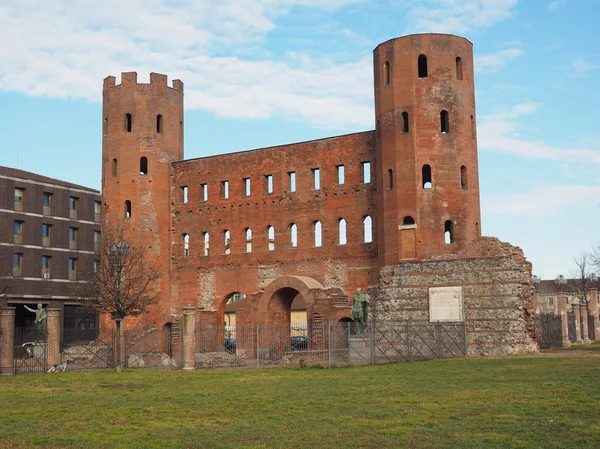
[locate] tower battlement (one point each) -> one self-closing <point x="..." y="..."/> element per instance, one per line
<point x="130" y="79"/>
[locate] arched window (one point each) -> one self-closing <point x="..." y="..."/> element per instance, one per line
<point x="422" y="66"/>
<point x="128" y="122"/>
<point x="159" y="124"/>
<point x="386" y="73"/>
<point x="408" y="220"/>
<point x="444" y="121"/>
<point x="426" y="175"/>
<point x="248" y="233"/>
<point x="186" y="245"/>
<point x="127" y="209"/>
<point x="227" y="241"/>
<point x="294" y="235"/>
<point x="390" y="179"/>
<point x="459" y="68"/>
<point x="342" y="231"/>
<point x="271" y="237"/>
<point x="114" y="168"/>
<point x="143" y="165"/>
<point x="405" y="122"/>
<point x="105" y="127"/>
<point x="368" y="229"/>
<point x="477" y="229"/>
<point x="448" y="232"/>
<point x="318" y="234"/>
<point x="378" y="130"/>
<point x="473" y="130"/>
<point x="206" y="238"/>
<point x="463" y="178"/>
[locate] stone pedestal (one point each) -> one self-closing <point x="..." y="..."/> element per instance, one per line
<point x="360" y="351"/>
<point x="188" y="340"/>
<point x="584" y="323"/>
<point x="593" y="305"/>
<point x="7" y="340"/>
<point x="577" y="313"/>
<point x="53" y="339"/>
<point x="564" y="319"/>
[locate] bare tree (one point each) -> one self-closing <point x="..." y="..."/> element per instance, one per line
<point x="582" y="277"/>
<point x="123" y="280"/>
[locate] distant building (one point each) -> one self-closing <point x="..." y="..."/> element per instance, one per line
<point x="49" y="232"/>
<point x="548" y="292"/>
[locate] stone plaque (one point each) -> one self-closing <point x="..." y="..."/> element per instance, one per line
<point x="445" y="304"/>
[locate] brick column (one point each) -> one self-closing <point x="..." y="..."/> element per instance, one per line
<point x="53" y="340"/>
<point x="593" y="302"/>
<point x="189" y="342"/>
<point x="7" y="340"/>
<point x="577" y="313"/>
<point x="564" y="319"/>
<point x="584" y="324"/>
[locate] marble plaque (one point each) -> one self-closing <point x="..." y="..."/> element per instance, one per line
<point x="445" y="304"/>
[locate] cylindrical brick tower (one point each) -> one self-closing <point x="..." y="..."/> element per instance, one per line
<point x="142" y="135"/>
<point x="426" y="146"/>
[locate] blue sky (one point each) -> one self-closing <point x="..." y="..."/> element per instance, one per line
<point x="266" y="72"/>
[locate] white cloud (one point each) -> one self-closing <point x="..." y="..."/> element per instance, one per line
<point x="495" y="61"/>
<point x="499" y="133"/>
<point x="580" y="68"/>
<point x="556" y="4"/>
<point x="458" y="16"/>
<point x="543" y="201"/>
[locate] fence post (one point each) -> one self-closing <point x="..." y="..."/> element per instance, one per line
<point x="53" y="337"/>
<point x="408" y="340"/>
<point x="438" y="338"/>
<point x="7" y="340"/>
<point x="584" y="323"/>
<point x="465" y="338"/>
<point x="189" y="342"/>
<point x="329" y="344"/>
<point x="372" y="341"/>
<point x="564" y="321"/>
<point x="593" y="302"/>
<point x="258" y="345"/>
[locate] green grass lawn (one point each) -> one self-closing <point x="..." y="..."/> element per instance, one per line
<point x="495" y="403"/>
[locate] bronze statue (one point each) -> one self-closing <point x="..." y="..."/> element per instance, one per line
<point x="40" y="317"/>
<point x="360" y="310"/>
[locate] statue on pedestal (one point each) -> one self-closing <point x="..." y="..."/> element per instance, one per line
<point x="360" y="310"/>
<point x="40" y="317"/>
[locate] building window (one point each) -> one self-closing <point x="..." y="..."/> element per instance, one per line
<point x="248" y="233"/>
<point x="444" y="122"/>
<point x="46" y="262"/>
<point x="206" y="242"/>
<point x="128" y="122"/>
<point x="143" y="165"/>
<point x="184" y="194"/>
<point x="204" y="192"/>
<point x="72" y="238"/>
<point x="386" y="73"/>
<point x="72" y="269"/>
<point x="186" y="245"/>
<point x="292" y="178"/>
<point x="17" y="264"/>
<point x="227" y="241"/>
<point x="269" y="183"/>
<point x="294" y="235"/>
<point x="318" y="234"/>
<point x="473" y="129"/>
<point x="47" y="203"/>
<point x="459" y="75"/>
<point x="18" y="232"/>
<point x="422" y="62"/>
<point x="426" y="175"/>
<point x="390" y="179"/>
<point x="408" y="220"/>
<point x="225" y="189"/>
<point x="97" y="210"/>
<point x="19" y="194"/>
<point x="73" y="206"/>
<point x="127" y="209"/>
<point x="448" y="232"/>
<point x="366" y="172"/>
<point x="340" y="174"/>
<point x="96" y="241"/>
<point x="96" y="265"/>
<point x="247" y="187"/>
<point x="46" y="234"/>
<point x="367" y="229"/>
<point x="463" y="178"/>
<point x="271" y="237"/>
<point x="342" y="231"/>
<point x="159" y="124"/>
<point x="378" y="130"/>
<point x="405" y="122"/>
<point x="316" y="178"/>
<point x="114" y="168"/>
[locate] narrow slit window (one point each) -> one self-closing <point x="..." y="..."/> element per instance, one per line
<point x="426" y="175"/>
<point x="206" y="242"/>
<point x="459" y="74"/>
<point x="143" y="165"/>
<point x="378" y="130"/>
<point x="422" y="62"/>
<point x="464" y="184"/>
<point x="342" y="224"/>
<point x="316" y="178"/>
<point x="184" y="194"/>
<point x="247" y="187"/>
<point x="225" y="189"/>
<point x="294" y="235"/>
<point x="318" y="234"/>
<point x="227" y="241"/>
<point x="248" y="233"/>
<point x="128" y="122"/>
<point x="405" y="122"/>
<point x="159" y="124"/>
<point x="473" y="129"/>
<point x="408" y="220"/>
<point x="292" y="178"/>
<point x="269" y="183"/>
<point x="448" y="232"/>
<point x="390" y="179"/>
<point x="204" y="192"/>
<point x="386" y="73"/>
<point x="366" y="172"/>
<point x="367" y="229"/>
<point x="340" y="174"/>
<point x="114" y="168"/>
<point x="127" y="209"/>
<point x="186" y="245"/>
<point x="444" y="122"/>
<point x="271" y="237"/>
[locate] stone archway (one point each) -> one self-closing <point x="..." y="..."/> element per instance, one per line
<point x="276" y="299"/>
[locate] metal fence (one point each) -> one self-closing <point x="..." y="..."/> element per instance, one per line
<point x="87" y="349"/>
<point x="548" y="329"/>
<point x="330" y="344"/>
<point x="30" y="348"/>
<point x="149" y="348"/>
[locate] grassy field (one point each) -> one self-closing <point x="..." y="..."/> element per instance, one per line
<point x="478" y="403"/>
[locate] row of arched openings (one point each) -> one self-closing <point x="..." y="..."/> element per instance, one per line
<point x="444" y="124"/>
<point x="293" y="237"/>
<point x="422" y="70"/>
<point x="143" y="166"/>
<point x="129" y="123"/>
